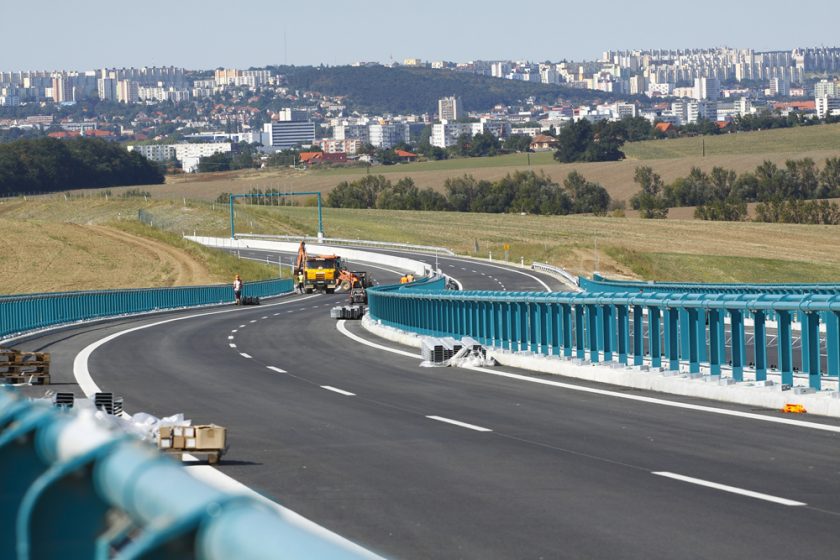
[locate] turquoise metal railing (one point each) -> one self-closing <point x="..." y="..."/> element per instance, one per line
<point x="72" y="488"/>
<point x="27" y="312"/>
<point x="600" y="284"/>
<point x="631" y="327"/>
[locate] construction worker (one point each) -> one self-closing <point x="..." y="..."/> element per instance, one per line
<point x="404" y="279"/>
<point x="409" y="278"/>
<point x="300" y="279"/>
<point x="237" y="289"/>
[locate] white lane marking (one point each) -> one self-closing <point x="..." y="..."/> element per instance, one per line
<point x="544" y="285"/>
<point x="316" y="306"/>
<point x="732" y="489"/>
<point x="232" y="345"/>
<point x="235" y="330"/>
<point x="276" y="314"/>
<point x="252" y="321"/>
<point x="244" y="355"/>
<point x="231" y="337"/>
<point x="343" y="330"/>
<point x="264" y="317"/>
<point x="604" y="392"/>
<point x="461" y="424"/>
<point x="80" y="363"/>
<point x="277" y="369"/>
<point x="290" y="311"/>
<point x="339" y="391"/>
<point x="242" y="326"/>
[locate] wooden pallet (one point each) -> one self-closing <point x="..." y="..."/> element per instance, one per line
<point x="16" y="379"/>
<point x="212" y="456"/>
<point x="24" y="367"/>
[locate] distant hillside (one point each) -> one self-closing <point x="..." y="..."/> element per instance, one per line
<point x="416" y="90"/>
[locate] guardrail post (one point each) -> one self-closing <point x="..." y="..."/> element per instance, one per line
<point x="566" y="319"/>
<point x="693" y="340"/>
<point x="672" y="343"/>
<point x="638" y="335"/>
<point x="655" y="337"/>
<point x="760" y="344"/>
<point x="685" y="342"/>
<point x="543" y="326"/>
<point x="534" y="331"/>
<point x="623" y="332"/>
<point x="811" y="348"/>
<point x="701" y="319"/>
<point x="592" y="332"/>
<point x="508" y="326"/>
<point x="736" y="325"/>
<point x="607" y="324"/>
<point x="785" y="342"/>
<point x="522" y="316"/>
<point x="717" y="342"/>
<point x="579" y="332"/>
<point x="832" y="343"/>
<point x="552" y="324"/>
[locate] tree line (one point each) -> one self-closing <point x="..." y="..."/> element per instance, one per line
<point x="43" y="165"/>
<point x="521" y="191"/>
<point x="791" y="193"/>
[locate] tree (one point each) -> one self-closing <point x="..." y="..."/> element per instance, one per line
<point x="573" y="141"/>
<point x="649" y="202"/>
<point x="586" y="196"/>
<point x="518" y="143"/>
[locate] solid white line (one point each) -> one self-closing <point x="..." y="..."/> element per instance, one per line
<point x="559" y="384"/>
<point x="339" y="391"/>
<point x="732" y="489"/>
<point x="277" y="369"/>
<point x="457" y="423"/>
<point x="244" y="355"/>
<point x="232" y="345"/>
<point x="343" y="330"/>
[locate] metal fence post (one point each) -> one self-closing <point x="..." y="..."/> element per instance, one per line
<point x="760" y="344"/>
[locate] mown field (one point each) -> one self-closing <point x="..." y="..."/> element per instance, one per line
<point x="670" y="158"/>
<point x="680" y="250"/>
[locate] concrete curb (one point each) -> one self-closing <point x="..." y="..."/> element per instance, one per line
<point x="747" y="393"/>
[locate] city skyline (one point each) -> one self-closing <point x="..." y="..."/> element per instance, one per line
<point x="189" y="33"/>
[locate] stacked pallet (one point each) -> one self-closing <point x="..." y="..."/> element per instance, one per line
<point x="206" y="441"/>
<point x="24" y="367"/>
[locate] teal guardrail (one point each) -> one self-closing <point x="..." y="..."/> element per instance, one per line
<point x="28" y="312"/>
<point x="72" y="488"/>
<point x="600" y="284"/>
<point x="632" y="327"/>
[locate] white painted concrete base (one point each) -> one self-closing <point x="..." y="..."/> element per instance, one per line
<point x="825" y="403"/>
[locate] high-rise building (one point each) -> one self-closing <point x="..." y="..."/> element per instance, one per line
<point x="450" y="109"/>
<point x="287" y="134"/>
<point x="128" y="91"/>
<point x="706" y="89"/>
<point x="107" y="88"/>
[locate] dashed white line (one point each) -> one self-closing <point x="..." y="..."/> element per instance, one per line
<point x="276" y="314"/>
<point x="339" y="391"/>
<point x="461" y="424"/>
<point x="242" y="326"/>
<point x="252" y="321"/>
<point x="232" y="345"/>
<point x="731" y="489"/>
<point x="244" y="355"/>
<point x="235" y="330"/>
<point x="264" y="317"/>
<point x="277" y="369"/>
<point x="231" y="337"/>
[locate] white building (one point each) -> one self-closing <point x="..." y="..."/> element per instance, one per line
<point x="388" y="135"/>
<point x="333" y="146"/>
<point x="446" y="134"/>
<point x="154" y="152"/>
<point x="352" y="132"/>
<point x="828" y="105"/>
<point x="128" y="91"/>
<point x="779" y="87"/>
<point x="706" y="89"/>
<point x="450" y="109"/>
<point x="282" y="135"/>
<point x="825" y="87"/>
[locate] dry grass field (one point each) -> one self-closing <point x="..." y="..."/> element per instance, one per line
<point x="670" y="158"/>
<point x="54" y="242"/>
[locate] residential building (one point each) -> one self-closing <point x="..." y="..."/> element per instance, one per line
<point x="450" y="109"/>
<point x="706" y="89"/>
<point x="388" y="135"/>
<point x="826" y="87"/>
<point x="828" y="105"/>
<point x="154" y="152"/>
<point x="128" y="91"/>
<point x="107" y="89"/>
<point x="334" y="146"/>
<point x="352" y="132"/>
<point x="779" y="87"/>
<point x="446" y="134"/>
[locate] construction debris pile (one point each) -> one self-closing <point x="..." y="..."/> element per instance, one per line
<point x="18" y="367"/>
<point x="449" y="352"/>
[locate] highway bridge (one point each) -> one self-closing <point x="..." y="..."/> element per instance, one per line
<point x="346" y="429"/>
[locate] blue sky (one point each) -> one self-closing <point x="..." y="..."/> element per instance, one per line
<point x="73" y="34"/>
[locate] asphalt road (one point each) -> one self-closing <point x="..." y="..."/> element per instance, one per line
<point x="532" y="471"/>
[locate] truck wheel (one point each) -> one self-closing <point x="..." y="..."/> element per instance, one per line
<point x="330" y="290"/>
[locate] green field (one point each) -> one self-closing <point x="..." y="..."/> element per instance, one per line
<point x="786" y="140"/>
